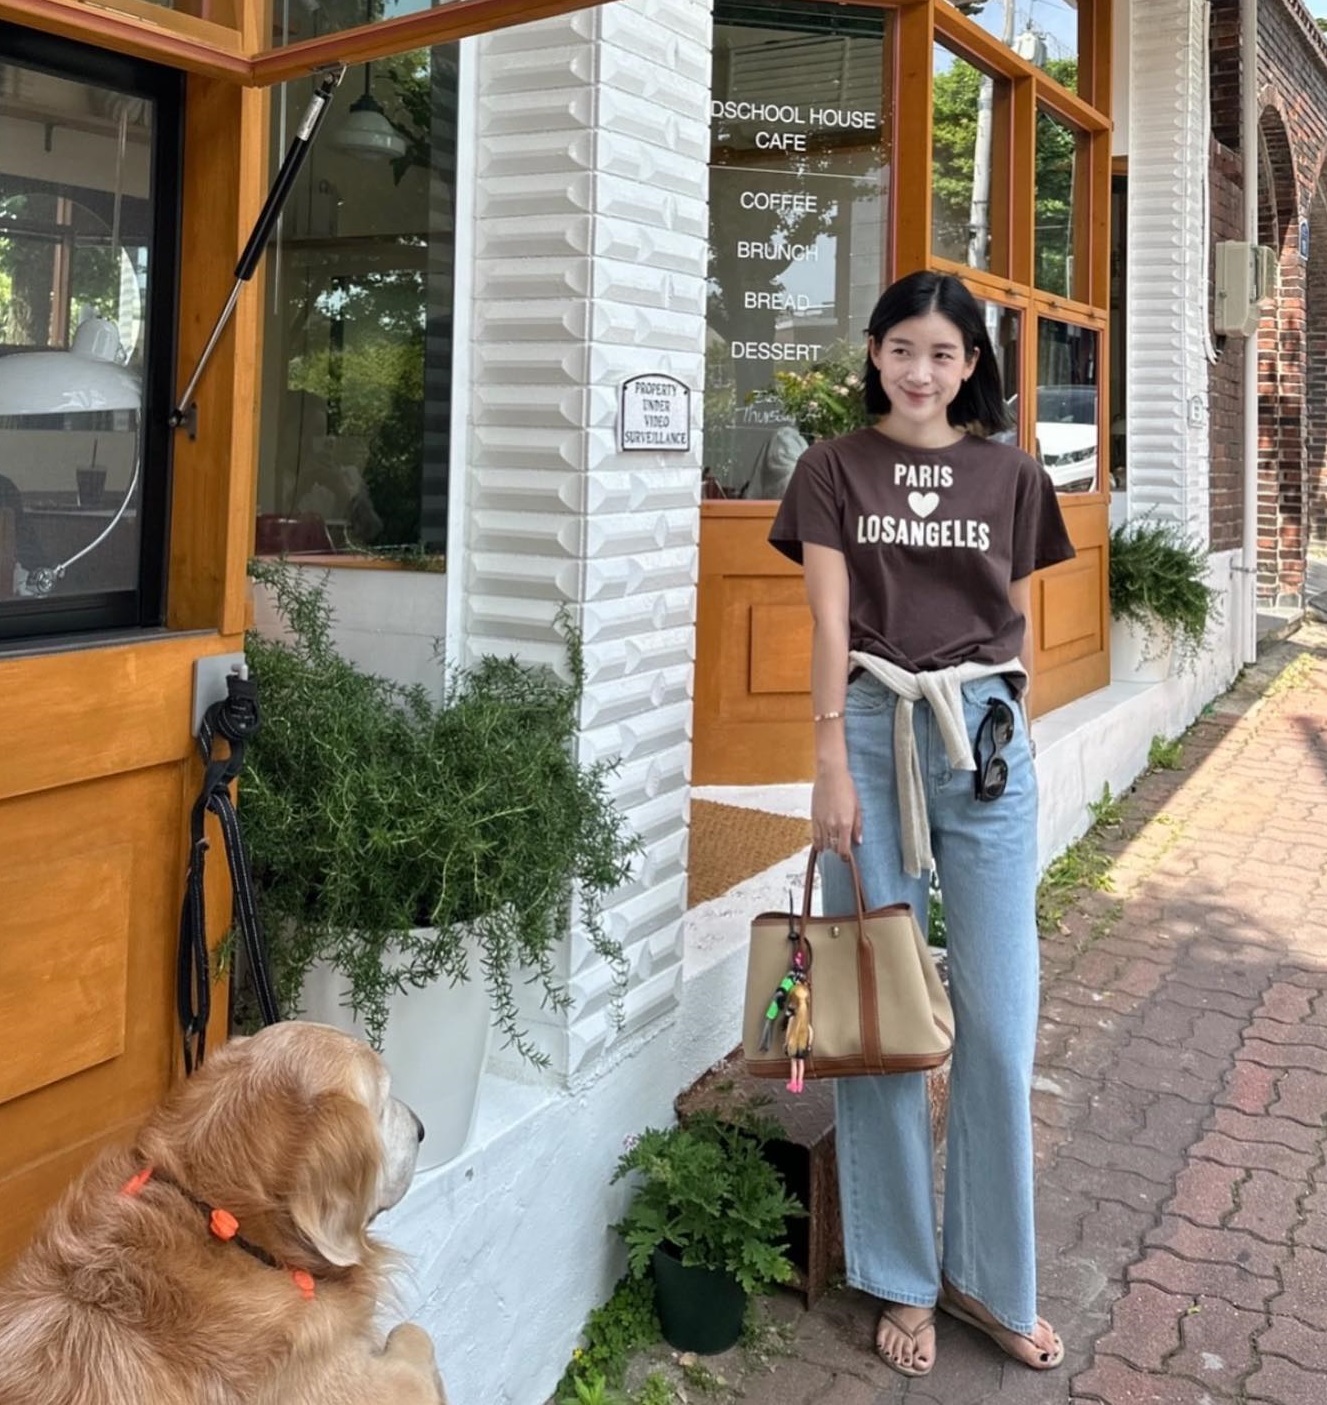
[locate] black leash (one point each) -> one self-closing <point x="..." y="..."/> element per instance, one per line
<point x="235" y="719"/>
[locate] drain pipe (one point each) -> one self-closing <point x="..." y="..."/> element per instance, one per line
<point x="1247" y="594"/>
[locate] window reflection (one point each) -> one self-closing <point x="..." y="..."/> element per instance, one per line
<point x="1045" y="32"/>
<point x="75" y="232"/>
<point x="1068" y="435"/>
<point x="357" y="376"/>
<point x="1004" y="326"/>
<point x="969" y="164"/>
<point x="1060" y="242"/>
<point x="799" y="166"/>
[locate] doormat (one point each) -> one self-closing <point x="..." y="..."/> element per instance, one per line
<point x="730" y="843"/>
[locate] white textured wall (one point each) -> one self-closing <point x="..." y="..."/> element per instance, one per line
<point x="1166" y="395"/>
<point x="590" y="250"/>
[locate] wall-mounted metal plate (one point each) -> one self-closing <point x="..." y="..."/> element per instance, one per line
<point x="210" y="675"/>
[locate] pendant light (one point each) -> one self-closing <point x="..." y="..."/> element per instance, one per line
<point x="366" y="132"/>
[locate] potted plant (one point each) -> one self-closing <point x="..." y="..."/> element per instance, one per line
<point x="397" y="841"/>
<point x="1160" y="602"/>
<point x="826" y="399"/>
<point x="708" y="1220"/>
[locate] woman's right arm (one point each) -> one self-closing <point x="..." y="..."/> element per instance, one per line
<point x="836" y="820"/>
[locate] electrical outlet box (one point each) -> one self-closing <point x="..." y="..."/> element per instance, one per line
<point x="1267" y="273"/>
<point x="1244" y="276"/>
<point x="1236" y="284"/>
<point x="210" y="674"/>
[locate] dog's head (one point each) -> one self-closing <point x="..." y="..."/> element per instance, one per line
<point x="295" y="1132"/>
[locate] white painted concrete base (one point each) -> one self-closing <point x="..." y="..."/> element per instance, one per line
<point x="510" y="1247"/>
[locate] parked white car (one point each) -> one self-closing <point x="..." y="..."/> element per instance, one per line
<point x="1066" y="434"/>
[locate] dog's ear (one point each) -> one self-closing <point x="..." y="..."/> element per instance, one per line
<point x="336" y="1189"/>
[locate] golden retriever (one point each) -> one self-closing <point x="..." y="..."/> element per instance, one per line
<point x="225" y="1258"/>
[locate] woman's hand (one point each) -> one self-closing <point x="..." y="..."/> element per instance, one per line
<point x="836" y="817"/>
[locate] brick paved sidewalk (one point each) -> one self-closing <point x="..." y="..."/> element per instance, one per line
<point x="1182" y="1088"/>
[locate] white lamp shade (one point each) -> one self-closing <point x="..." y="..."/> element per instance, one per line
<point x="64" y="383"/>
<point x="367" y="132"/>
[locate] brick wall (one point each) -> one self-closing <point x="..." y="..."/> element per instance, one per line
<point x="1292" y="342"/>
<point x="1225" y="400"/>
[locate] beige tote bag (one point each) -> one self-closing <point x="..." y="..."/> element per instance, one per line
<point x="877" y="1002"/>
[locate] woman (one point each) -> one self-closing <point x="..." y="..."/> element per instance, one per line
<point x="918" y="538"/>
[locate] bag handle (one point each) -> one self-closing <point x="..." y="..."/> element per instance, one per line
<point x="803" y="945"/>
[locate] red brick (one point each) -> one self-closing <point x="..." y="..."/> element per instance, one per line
<point x="1249" y="1087"/>
<point x="1283" y="1383"/>
<point x="1218" y="1246"/>
<point x="1174" y="1275"/>
<point x="1114" y="1382"/>
<point x="1306" y="1346"/>
<point x="1304" y="1275"/>
<point x="1145" y="1326"/>
<point x="1268" y="1206"/>
<point x="1302" y="1095"/>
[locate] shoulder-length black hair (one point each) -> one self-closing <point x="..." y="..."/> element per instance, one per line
<point x="980" y="402"/>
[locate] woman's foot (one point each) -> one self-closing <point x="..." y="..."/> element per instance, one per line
<point x="905" y="1338"/>
<point x="1041" y="1349"/>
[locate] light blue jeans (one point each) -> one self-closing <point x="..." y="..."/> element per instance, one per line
<point x="986" y="859"/>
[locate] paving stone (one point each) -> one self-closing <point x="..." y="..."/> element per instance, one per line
<point x="1250" y="1087"/>
<point x="1296" y="1341"/>
<point x="1112" y="1381"/>
<point x="1279" y="1131"/>
<point x="1302" y="1094"/>
<point x="1218" y="1344"/>
<point x="1275" y="1031"/>
<point x="1291" y="1004"/>
<point x="1173" y="1274"/>
<point x="1223" y="1002"/>
<point x="1113" y="1234"/>
<point x="1304" y="1275"/>
<point x="1206" y="1192"/>
<point x="1268" y="1206"/>
<point x="1280" y="1381"/>
<point x="1286" y="1161"/>
<point x="1145" y="1326"/>
<point x="1286" y="1056"/>
<point x="1172" y="1125"/>
<point x="1219" y="1246"/>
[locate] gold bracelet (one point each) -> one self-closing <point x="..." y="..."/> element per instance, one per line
<point x="826" y="717"/>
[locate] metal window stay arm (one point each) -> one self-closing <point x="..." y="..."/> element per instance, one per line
<point x="185" y="413"/>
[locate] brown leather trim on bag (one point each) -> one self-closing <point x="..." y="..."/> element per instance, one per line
<point x="846" y="1067"/>
<point x="867" y="1002"/>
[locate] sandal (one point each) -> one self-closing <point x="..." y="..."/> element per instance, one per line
<point x="911" y="1334"/>
<point x="1003" y="1337"/>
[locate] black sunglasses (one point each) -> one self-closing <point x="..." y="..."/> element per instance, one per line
<point x="993" y="770"/>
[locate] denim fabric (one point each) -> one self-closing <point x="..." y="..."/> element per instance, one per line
<point x="986" y="858"/>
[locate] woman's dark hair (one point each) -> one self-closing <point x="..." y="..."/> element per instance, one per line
<point x="980" y="402"/>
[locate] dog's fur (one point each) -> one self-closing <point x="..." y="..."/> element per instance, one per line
<point x="128" y="1299"/>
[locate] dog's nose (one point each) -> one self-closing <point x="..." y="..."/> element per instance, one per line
<point x="419" y="1127"/>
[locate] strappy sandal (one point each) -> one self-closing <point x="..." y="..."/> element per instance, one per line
<point x="911" y="1333"/>
<point x="1003" y="1336"/>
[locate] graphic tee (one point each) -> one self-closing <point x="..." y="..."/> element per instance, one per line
<point x="931" y="538"/>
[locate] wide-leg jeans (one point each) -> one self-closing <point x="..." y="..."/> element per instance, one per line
<point x="986" y="861"/>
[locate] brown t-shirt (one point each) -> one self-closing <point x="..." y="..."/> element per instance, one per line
<point x="932" y="539"/>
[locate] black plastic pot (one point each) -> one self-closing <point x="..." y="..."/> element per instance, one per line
<point x="700" y="1309"/>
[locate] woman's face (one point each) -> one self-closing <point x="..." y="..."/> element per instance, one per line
<point x="922" y="365"/>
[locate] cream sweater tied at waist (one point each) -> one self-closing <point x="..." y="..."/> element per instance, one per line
<point x="942" y="688"/>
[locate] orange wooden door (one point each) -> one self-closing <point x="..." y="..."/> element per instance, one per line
<point x="98" y="767"/>
<point x="753" y="654"/>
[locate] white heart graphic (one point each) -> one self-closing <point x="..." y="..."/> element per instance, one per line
<point x="923" y="504"/>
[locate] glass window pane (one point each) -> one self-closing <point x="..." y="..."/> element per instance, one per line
<point x="294" y="21"/>
<point x="1004" y="325"/>
<point x="357" y="376"/>
<point x="969" y="164"/>
<point x="1045" y="32"/>
<point x="1067" y="423"/>
<point x="76" y="233"/>
<point x="1060" y="239"/>
<point x="798" y="202"/>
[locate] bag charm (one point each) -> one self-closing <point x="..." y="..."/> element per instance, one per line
<point x="797" y="1034"/>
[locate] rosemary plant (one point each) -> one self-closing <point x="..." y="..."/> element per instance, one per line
<point x="1158" y="580"/>
<point x="384" y="826"/>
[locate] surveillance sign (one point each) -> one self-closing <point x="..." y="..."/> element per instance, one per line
<point x="654" y="413"/>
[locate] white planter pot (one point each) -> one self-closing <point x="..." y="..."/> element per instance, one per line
<point x="436" y="1044"/>
<point x="1138" y="655"/>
